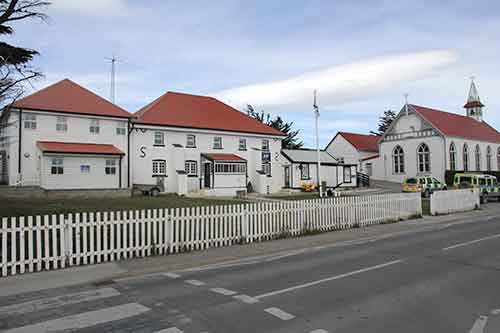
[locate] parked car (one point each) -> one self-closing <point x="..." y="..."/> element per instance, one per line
<point x="487" y="184"/>
<point x="424" y="184"/>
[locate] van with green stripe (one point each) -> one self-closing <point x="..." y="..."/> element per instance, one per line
<point x="487" y="184"/>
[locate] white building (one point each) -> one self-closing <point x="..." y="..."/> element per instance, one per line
<point x="354" y="148"/>
<point x="301" y="168"/>
<point x="196" y="144"/>
<point x="64" y="137"/>
<point x="425" y="141"/>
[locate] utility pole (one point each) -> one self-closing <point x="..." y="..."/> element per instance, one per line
<point x="113" y="61"/>
<point x="316" y="114"/>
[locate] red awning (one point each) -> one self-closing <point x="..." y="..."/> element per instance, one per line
<point x="224" y="157"/>
<point x="78" y="148"/>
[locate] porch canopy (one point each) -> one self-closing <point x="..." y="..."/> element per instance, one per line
<point x="224" y="158"/>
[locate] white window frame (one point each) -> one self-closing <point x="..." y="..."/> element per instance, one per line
<point x="305" y="172"/>
<point x="191" y="168"/>
<point x="94" y="127"/>
<point x="242" y="144"/>
<point x="230" y="168"/>
<point x="121" y="128"/>
<point x="29" y="121"/>
<point x="265" y="145"/>
<point x="191" y="141"/>
<point x="218" y="142"/>
<point x="159" y="168"/>
<point x="398" y="160"/>
<point x="465" y="157"/>
<point x="488" y="158"/>
<point x="423" y="158"/>
<point x="62" y="124"/>
<point x="267" y="168"/>
<point x="159" y="138"/>
<point x="57" y="166"/>
<point x="110" y="168"/>
<point x="453" y="157"/>
<point x="477" y="156"/>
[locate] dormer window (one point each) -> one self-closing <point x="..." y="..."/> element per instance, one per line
<point x="29" y="121"/>
<point x="159" y="139"/>
<point x="217" y="142"/>
<point x="94" y="126"/>
<point x="191" y="141"/>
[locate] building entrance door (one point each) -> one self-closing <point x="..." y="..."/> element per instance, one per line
<point x="208" y="174"/>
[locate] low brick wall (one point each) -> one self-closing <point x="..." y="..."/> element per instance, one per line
<point x="39" y="193"/>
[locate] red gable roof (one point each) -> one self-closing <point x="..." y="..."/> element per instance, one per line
<point x="362" y="142"/>
<point x="192" y="111"/>
<point x="67" y="96"/>
<point x="223" y="157"/>
<point x="455" y="125"/>
<point x="78" y="148"/>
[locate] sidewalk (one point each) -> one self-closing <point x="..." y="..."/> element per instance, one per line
<point x="137" y="267"/>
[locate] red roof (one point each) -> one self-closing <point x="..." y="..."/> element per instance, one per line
<point x="224" y="157"/>
<point x="192" y="111"/>
<point x="451" y="124"/>
<point x="370" y="157"/>
<point x="69" y="97"/>
<point x="78" y="148"/>
<point x="362" y="142"/>
<point x="473" y="104"/>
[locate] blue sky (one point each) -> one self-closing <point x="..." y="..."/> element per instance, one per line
<point x="361" y="56"/>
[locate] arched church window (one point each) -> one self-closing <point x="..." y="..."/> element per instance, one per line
<point x="477" y="156"/>
<point x="488" y="158"/>
<point x="453" y="157"/>
<point x="423" y="158"/>
<point x="465" y="157"/>
<point x="398" y="160"/>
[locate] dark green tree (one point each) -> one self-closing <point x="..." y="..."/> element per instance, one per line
<point x="291" y="141"/>
<point x="15" y="69"/>
<point x="384" y="122"/>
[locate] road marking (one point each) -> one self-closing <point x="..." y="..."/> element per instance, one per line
<point x="471" y="242"/>
<point x="279" y="313"/>
<point x="336" y="277"/>
<point x="495" y="312"/>
<point x="170" y="330"/>
<point x="195" y="282"/>
<point x="84" y="320"/>
<point x="223" y="291"/>
<point x="479" y="325"/>
<point x="57" y="301"/>
<point x="246" y="299"/>
<point x="319" y="331"/>
<point x="172" y="275"/>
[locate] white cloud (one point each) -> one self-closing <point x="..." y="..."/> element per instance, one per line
<point x="344" y="83"/>
<point x="89" y="6"/>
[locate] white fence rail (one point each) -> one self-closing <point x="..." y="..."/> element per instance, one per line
<point x="31" y="244"/>
<point x="446" y="202"/>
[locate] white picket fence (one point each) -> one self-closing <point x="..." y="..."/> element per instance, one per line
<point x="32" y="244"/>
<point x="446" y="202"/>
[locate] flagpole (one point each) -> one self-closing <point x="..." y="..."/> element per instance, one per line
<point x="316" y="113"/>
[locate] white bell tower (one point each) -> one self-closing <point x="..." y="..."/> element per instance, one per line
<point x="474" y="107"/>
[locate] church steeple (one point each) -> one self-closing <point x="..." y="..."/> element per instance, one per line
<point x="474" y="107"/>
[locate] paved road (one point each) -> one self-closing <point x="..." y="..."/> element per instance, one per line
<point x="440" y="280"/>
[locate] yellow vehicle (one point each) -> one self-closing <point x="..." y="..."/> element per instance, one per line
<point x="424" y="184"/>
<point x="487" y="184"/>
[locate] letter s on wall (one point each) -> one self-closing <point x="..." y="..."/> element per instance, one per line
<point x="143" y="152"/>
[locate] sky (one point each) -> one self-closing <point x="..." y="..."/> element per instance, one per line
<point x="362" y="57"/>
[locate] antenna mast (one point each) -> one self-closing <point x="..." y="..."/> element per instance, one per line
<point x="112" y="92"/>
<point x="316" y="114"/>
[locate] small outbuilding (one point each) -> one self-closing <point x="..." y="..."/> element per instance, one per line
<point x="301" y="169"/>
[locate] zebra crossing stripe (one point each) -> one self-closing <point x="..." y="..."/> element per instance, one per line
<point x="83" y="320"/>
<point x="57" y="301"/>
<point x="170" y="330"/>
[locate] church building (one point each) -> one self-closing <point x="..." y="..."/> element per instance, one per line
<point x="426" y="141"/>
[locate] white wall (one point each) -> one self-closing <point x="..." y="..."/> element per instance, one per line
<point x="73" y="178"/>
<point x="143" y="152"/>
<point x="483" y="146"/>
<point x="341" y="148"/>
<point x="78" y="131"/>
<point x="332" y="174"/>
